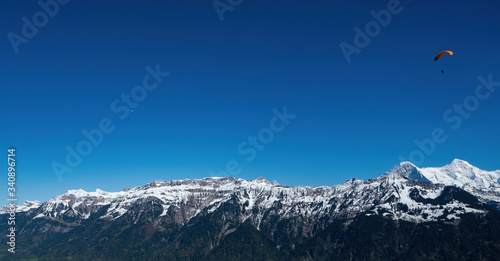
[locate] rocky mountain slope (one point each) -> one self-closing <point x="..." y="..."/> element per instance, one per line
<point x="200" y="214"/>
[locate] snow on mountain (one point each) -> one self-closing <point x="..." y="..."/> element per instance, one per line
<point x="463" y="174"/>
<point x="410" y="171"/>
<point x="405" y="192"/>
<point x="459" y="173"/>
<point x="391" y="195"/>
<point x="27" y="205"/>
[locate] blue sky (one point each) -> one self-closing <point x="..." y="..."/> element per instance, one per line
<point x="225" y="78"/>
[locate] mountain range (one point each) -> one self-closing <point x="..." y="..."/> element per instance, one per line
<point x="402" y="214"/>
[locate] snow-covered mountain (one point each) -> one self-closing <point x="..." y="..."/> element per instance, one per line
<point x="200" y="214"/>
<point x="27" y="205"/>
<point x="459" y="173"/>
<point x="405" y="192"/>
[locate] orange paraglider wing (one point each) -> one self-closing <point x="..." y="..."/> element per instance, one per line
<point x="441" y="54"/>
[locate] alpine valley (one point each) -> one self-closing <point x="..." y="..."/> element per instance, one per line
<point x="409" y="213"/>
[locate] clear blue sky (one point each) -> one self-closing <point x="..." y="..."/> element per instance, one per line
<point x="352" y="119"/>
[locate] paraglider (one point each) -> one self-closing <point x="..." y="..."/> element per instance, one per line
<point x="441" y="54"/>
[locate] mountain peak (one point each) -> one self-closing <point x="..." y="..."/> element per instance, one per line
<point x="459" y="162"/>
<point x="262" y="180"/>
<point x="76" y="192"/>
<point x="406" y="163"/>
<point x="462" y="167"/>
<point x="404" y="167"/>
<point x="462" y="174"/>
<point x="407" y="169"/>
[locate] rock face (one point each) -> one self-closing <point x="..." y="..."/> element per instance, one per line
<point x="175" y="213"/>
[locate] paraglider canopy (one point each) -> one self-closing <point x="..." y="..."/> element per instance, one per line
<point x="441" y="54"/>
